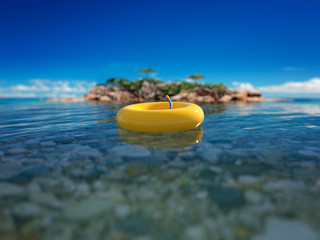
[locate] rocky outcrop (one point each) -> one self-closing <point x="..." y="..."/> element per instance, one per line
<point x="150" y="91"/>
<point x="216" y="96"/>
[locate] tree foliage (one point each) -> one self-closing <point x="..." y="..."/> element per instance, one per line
<point x="168" y="88"/>
<point x="195" y="77"/>
<point x="125" y="84"/>
<point x="147" y="70"/>
<point x="116" y="81"/>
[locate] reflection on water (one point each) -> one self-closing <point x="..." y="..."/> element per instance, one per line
<point x="161" y="140"/>
<point x="213" y="108"/>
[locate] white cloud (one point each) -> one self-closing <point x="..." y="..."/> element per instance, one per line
<point x="34" y="88"/>
<point x="243" y="86"/>
<point x="310" y="86"/>
<point x="48" y="88"/>
<point x="5" y="93"/>
<point x="20" y="88"/>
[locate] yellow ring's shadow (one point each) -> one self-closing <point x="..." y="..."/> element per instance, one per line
<point x="161" y="139"/>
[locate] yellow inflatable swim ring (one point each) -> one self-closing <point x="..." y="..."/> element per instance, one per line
<point x="158" y="117"/>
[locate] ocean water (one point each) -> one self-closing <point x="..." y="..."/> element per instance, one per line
<point x="251" y="171"/>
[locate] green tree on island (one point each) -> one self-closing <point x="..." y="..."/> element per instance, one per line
<point x="195" y="77"/>
<point x="117" y="81"/>
<point x="147" y="71"/>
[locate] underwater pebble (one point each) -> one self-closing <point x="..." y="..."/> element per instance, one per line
<point x="212" y="155"/>
<point x="136" y="168"/>
<point x="204" y="146"/>
<point x="46" y="199"/>
<point x="309" y="153"/>
<point x="201" y="195"/>
<point x="10" y="159"/>
<point x="7" y="223"/>
<point x="216" y="169"/>
<point x="86" y="151"/>
<point x="97" y="185"/>
<point x="177" y="164"/>
<point x="48" y="144"/>
<point x="317" y="149"/>
<point x="248" y="169"/>
<point x="16" y="150"/>
<point x="282" y="185"/>
<point x="194" y="232"/>
<point x="137" y="223"/>
<point x="31" y="172"/>
<point x="238" y="162"/>
<point x="305" y="164"/>
<point x="248" y="179"/>
<point x="224" y="145"/>
<point x="33" y="187"/>
<point x="30" y="226"/>
<point x="207" y="175"/>
<point x="253" y="196"/>
<point x="86" y="209"/>
<point x="226" y="197"/>
<point x="47" y="182"/>
<point x="129" y="151"/>
<point x="68" y="185"/>
<point x="318" y="183"/>
<point x="62" y="231"/>
<point x="8" y="170"/>
<point x="122" y="210"/>
<point x="82" y="190"/>
<point x="277" y="228"/>
<point x="10" y="190"/>
<point x="26" y="209"/>
<point x="88" y="233"/>
<point x="32" y="141"/>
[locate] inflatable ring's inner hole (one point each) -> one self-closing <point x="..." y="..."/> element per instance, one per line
<point x="159" y="106"/>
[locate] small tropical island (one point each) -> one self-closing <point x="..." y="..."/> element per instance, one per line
<point x="146" y="89"/>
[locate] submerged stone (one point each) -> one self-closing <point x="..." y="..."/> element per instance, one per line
<point x="85" y="210"/>
<point x="136" y="168"/>
<point x="10" y="190"/>
<point x="129" y="151"/>
<point x="32" y="141"/>
<point x="212" y="155"/>
<point x="138" y="224"/>
<point x="277" y="228"/>
<point x="226" y="197"/>
<point x="26" y="209"/>
<point x="48" y="144"/>
<point x="31" y="226"/>
<point x="252" y="169"/>
<point x="207" y="175"/>
<point x="30" y="173"/>
<point x="46" y="199"/>
<point x="194" y="232"/>
<point x="16" y="150"/>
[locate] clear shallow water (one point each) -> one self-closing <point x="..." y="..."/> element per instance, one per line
<point x="250" y="172"/>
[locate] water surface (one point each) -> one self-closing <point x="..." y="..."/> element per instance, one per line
<point x="250" y="172"/>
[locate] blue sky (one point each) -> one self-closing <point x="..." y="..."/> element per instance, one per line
<point x="61" y="48"/>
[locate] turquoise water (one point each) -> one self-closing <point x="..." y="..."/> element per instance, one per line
<point x="251" y="171"/>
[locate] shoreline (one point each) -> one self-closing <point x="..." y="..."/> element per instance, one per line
<point x="83" y="99"/>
